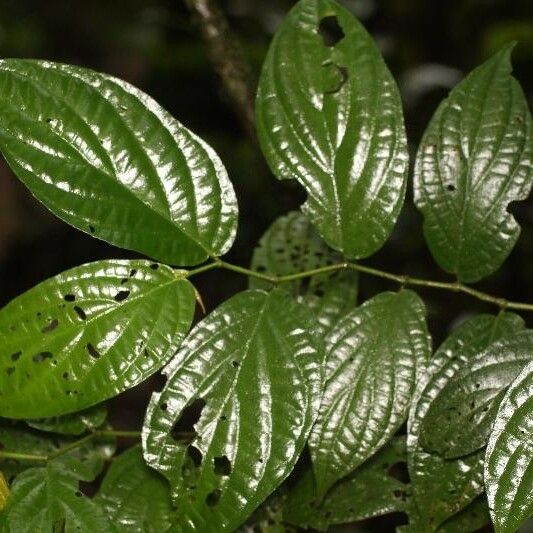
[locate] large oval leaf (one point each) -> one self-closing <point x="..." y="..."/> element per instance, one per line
<point x="329" y="115"/>
<point x="374" y="356"/>
<point x="458" y="421"/>
<point x="475" y="159"/>
<point x="89" y="334"/>
<point x="253" y="370"/>
<point x="48" y="499"/>
<point x="106" y="158"/>
<point x="443" y="487"/>
<point x="371" y="490"/>
<point x="135" y="497"/>
<point x="508" y="464"/>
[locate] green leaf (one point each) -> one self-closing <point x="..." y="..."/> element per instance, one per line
<point x="73" y="424"/>
<point x="473" y="161"/>
<point x="48" y="499"/>
<point x="459" y="419"/>
<point x="89" y="334"/>
<point x="329" y="115"/>
<point x="472" y="518"/>
<point x="374" y="356"/>
<point x="508" y="464"/>
<point x="4" y="493"/>
<point x="292" y="245"/>
<point x="135" y="497"/>
<point x="241" y="397"/>
<point x="20" y="439"/>
<point x="443" y="487"/>
<point x="106" y="158"/>
<point x="368" y="492"/>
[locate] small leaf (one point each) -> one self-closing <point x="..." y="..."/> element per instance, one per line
<point x="443" y="487"/>
<point x="49" y="499"/>
<point x="508" y="464"/>
<point x="241" y="396"/>
<point x="89" y="334"/>
<point x="369" y="491"/>
<point x="329" y="115"/>
<point x="21" y="439"/>
<point x="135" y="497"/>
<point x="292" y="245"/>
<point x="374" y="356"/>
<point x="106" y="158"/>
<point x="459" y="418"/>
<point x="73" y="424"/>
<point x="473" y="161"/>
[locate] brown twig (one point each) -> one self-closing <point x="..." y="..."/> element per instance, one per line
<point x="228" y="59"/>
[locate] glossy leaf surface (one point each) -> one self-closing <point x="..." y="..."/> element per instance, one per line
<point x="329" y="115"/>
<point x="369" y="491"/>
<point x="134" y="496"/>
<point x="459" y="419"/>
<point x="292" y="245"/>
<point x="4" y="492"/>
<point x="48" y="499"/>
<point x="20" y="439"/>
<point x="474" y="160"/>
<point x="509" y="459"/>
<point x="73" y="424"/>
<point x="472" y="518"/>
<point x="247" y="381"/>
<point x="443" y="487"/>
<point x="89" y="334"/>
<point x="106" y="158"/>
<point x="374" y="356"/>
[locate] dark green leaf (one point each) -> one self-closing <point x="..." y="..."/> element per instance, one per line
<point x="458" y="421"/>
<point x="443" y="487"/>
<point x="473" y="161"/>
<point x="241" y="396"/>
<point x="89" y="334"/>
<point x="21" y="439"/>
<point x="135" y="497"/>
<point x="374" y="356"/>
<point x="329" y="115"/>
<point x="292" y="245"/>
<point x="369" y="491"/>
<point x="73" y="424"/>
<point x="470" y="519"/>
<point x="48" y="499"/>
<point x="106" y="158"/>
<point x="508" y="464"/>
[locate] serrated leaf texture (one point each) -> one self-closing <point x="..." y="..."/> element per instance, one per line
<point x="508" y="463"/>
<point x="135" y="497"/>
<point x="48" y="499"/>
<point x="88" y="334"/>
<point x="254" y="368"/>
<point x="475" y="158"/>
<point x="443" y="487"/>
<point x="329" y="115"/>
<point x="459" y="419"/>
<point x="371" y="490"/>
<point x="374" y="356"/>
<point x="106" y="158"/>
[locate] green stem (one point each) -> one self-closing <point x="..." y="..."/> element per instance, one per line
<point x="403" y="280"/>
<point x="69" y="447"/>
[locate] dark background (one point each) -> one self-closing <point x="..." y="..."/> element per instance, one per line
<point x="428" y="45"/>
